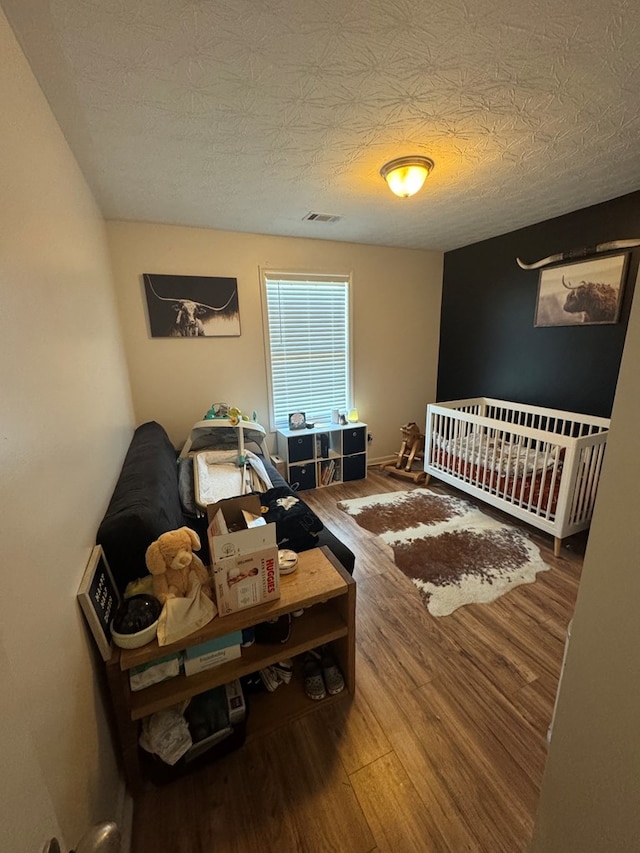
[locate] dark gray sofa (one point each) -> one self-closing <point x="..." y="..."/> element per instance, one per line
<point x="146" y="503"/>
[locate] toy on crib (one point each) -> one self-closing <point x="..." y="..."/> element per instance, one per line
<point x="227" y="412"/>
<point x="170" y="559"/>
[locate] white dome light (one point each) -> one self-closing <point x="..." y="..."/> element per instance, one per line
<point x="406" y="175"/>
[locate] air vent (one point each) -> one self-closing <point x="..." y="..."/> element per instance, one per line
<point x="321" y="217"/>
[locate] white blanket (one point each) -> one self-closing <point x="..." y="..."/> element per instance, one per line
<point x="217" y="475"/>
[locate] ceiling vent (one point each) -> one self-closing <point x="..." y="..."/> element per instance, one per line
<point x="321" y="217"/>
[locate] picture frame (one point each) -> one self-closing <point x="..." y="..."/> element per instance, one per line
<point x="582" y="293"/>
<point x="99" y="599"/>
<point x="192" y="306"/>
<point x="297" y="420"/>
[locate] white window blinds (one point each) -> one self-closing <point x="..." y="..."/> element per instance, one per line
<point x="308" y="340"/>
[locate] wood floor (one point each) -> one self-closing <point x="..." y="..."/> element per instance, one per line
<point x="442" y="749"/>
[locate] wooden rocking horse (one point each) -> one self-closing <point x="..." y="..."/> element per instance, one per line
<point x="411" y="450"/>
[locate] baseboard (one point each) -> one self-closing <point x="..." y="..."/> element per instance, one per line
<point x="124" y="817"/>
<point x="381" y="460"/>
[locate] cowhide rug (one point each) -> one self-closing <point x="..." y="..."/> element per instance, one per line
<point x="453" y="552"/>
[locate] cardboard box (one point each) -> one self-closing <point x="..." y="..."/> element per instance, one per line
<point x="245" y="558"/>
<point x="236" y="707"/>
<point x="212" y="653"/>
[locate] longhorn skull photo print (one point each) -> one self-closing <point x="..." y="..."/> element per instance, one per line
<point x="192" y="306"/>
<point x="582" y="293"/>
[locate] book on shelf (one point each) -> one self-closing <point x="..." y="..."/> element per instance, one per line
<point x="328" y="472"/>
<point x="322" y="445"/>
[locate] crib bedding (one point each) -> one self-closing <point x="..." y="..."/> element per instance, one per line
<point x="218" y="474"/>
<point x="504" y="457"/>
<point x="539" y="489"/>
<point x="541" y="465"/>
<point x="219" y="447"/>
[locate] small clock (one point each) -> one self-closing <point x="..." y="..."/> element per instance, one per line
<point x="297" y="420"/>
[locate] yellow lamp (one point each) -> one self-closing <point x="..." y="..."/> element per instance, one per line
<point x="406" y="175"/>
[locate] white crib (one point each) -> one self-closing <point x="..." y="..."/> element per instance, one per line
<point x="539" y="465"/>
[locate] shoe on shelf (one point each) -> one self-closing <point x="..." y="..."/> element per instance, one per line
<point x="284" y="670"/>
<point x="275" y="630"/>
<point x="270" y="678"/>
<point x="248" y="637"/>
<point x="331" y="672"/>
<point x="276" y="674"/>
<point x="313" y="681"/>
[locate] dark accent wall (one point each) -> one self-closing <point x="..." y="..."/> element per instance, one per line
<point x="488" y="343"/>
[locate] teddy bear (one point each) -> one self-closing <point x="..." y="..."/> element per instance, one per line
<point x="170" y="559"/>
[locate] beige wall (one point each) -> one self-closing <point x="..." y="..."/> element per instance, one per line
<point x="67" y="420"/>
<point x="66" y="423"/>
<point x="591" y="788"/>
<point x="396" y="315"/>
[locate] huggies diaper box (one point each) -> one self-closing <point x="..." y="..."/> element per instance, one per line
<point x="244" y="553"/>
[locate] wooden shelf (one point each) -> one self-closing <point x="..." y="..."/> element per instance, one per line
<point x="314" y="628"/>
<point x="327" y="593"/>
<point x="314" y="580"/>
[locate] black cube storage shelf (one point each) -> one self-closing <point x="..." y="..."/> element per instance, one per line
<point x="302" y="476"/>
<point x="354" y="467"/>
<point x="354" y="440"/>
<point x="300" y="448"/>
<point x="324" y="455"/>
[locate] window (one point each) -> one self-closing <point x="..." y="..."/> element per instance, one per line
<point x="307" y="338"/>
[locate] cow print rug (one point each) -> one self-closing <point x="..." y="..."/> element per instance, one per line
<point x="450" y="550"/>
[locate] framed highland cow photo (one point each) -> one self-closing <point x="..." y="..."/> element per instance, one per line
<point x="582" y="293"/>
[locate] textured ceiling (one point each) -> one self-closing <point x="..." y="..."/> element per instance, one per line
<point x="247" y="114"/>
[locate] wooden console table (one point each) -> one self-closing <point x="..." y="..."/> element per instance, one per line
<point x="319" y="584"/>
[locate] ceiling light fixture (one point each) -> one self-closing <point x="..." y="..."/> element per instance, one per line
<point x="406" y="175"/>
